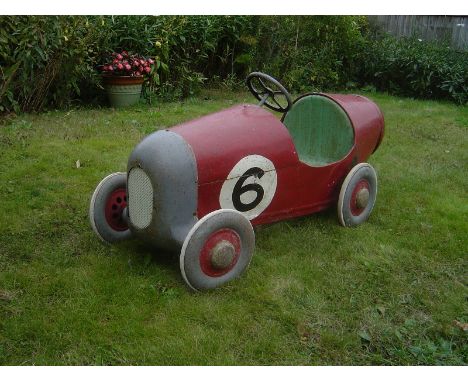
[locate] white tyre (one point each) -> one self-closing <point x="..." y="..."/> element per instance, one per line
<point x="217" y="249"/>
<point x="357" y="196"/>
<point x="107" y="209"/>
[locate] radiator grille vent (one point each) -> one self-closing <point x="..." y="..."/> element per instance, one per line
<point x="140" y="198"/>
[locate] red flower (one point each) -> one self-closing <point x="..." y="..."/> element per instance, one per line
<point x="125" y="63"/>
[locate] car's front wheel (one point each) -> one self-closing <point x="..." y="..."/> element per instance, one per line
<point x="108" y="208"/>
<point x="217" y="249"/>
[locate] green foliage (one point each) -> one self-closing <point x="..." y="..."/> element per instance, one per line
<point x="201" y="47"/>
<point x="309" y="52"/>
<point x="51" y="61"/>
<point x="43" y="59"/>
<point x="414" y="68"/>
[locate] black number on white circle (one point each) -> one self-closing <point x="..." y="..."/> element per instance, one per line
<point x="240" y="189"/>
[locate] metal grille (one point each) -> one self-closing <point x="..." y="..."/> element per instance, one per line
<point x="140" y="198"/>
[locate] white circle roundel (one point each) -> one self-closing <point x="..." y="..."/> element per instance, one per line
<point x="250" y="186"/>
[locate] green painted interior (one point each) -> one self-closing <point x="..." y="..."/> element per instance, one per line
<point x="320" y="129"/>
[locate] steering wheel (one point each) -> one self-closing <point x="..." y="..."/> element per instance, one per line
<point x="265" y="89"/>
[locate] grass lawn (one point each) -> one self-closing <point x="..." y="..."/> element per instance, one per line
<point x="388" y="292"/>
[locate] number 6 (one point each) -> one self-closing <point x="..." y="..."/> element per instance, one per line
<point x="239" y="189"/>
<point x="250" y="186"/>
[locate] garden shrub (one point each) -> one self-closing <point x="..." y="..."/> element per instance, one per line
<point x="43" y="59"/>
<point x="197" y="48"/>
<point x="411" y="67"/>
<point x="309" y="52"/>
<point x="51" y="61"/>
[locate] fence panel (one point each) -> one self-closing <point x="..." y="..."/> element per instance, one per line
<point x="449" y="29"/>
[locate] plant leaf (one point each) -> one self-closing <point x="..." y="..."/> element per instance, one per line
<point x="365" y="336"/>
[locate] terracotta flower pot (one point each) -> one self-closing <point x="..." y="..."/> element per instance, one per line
<point x="123" y="90"/>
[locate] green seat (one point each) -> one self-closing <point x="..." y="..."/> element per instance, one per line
<point x="320" y="129"/>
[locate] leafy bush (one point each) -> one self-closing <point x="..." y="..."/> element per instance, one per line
<point x="43" y="60"/>
<point x="188" y="49"/>
<point x="309" y="52"/>
<point x="411" y="67"/>
<point x="51" y="61"/>
<point x="200" y="47"/>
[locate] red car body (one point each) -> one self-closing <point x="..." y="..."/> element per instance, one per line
<point x="222" y="139"/>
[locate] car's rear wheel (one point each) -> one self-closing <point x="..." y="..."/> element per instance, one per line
<point x="357" y="196"/>
<point x="108" y="208"/>
<point x="217" y="249"/>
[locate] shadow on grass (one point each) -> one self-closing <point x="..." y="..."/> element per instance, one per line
<point x="143" y="255"/>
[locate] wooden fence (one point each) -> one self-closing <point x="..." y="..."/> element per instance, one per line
<point x="449" y="29"/>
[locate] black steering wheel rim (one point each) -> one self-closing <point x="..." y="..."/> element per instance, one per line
<point x="266" y="92"/>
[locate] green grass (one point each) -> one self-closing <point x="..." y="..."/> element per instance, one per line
<point x="387" y="292"/>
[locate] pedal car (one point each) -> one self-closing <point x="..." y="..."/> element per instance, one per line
<point x="198" y="188"/>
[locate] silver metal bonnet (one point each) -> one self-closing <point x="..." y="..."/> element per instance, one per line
<point x="162" y="189"/>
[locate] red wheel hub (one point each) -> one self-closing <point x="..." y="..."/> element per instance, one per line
<point x="116" y="203"/>
<point x="360" y="197"/>
<point x="220" y="252"/>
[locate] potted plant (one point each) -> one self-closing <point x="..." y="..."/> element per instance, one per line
<point x="123" y="76"/>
